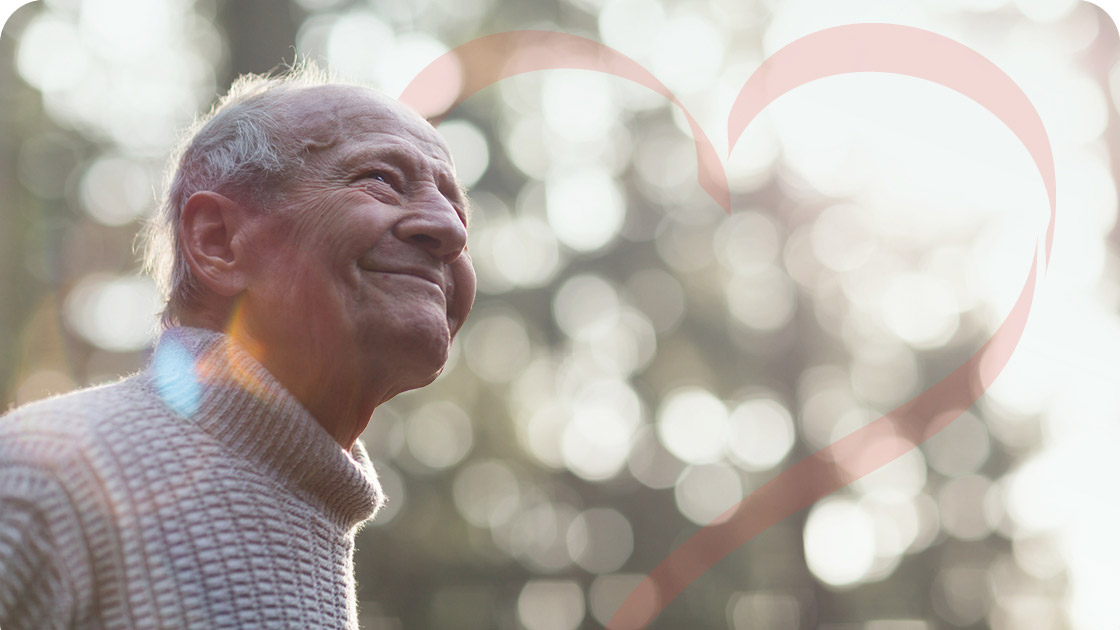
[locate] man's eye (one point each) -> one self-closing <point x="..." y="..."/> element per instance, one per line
<point x="382" y="176"/>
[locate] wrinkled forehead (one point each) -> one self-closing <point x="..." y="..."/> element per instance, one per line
<point x="331" y="116"/>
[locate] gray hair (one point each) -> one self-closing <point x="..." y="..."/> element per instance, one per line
<point x="240" y="148"/>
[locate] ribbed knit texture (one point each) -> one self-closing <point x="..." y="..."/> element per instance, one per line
<point x="195" y="494"/>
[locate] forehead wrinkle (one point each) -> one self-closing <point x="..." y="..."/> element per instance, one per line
<point x="336" y="128"/>
<point x="324" y="116"/>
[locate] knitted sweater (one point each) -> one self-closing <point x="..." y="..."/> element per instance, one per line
<point x="196" y="494"/>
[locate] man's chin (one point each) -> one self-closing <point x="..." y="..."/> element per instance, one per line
<point x="422" y="381"/>
<point x="425" y="354"/>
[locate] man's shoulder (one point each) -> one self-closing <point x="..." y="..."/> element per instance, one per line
<point x="74" y="417"/>
<point x="76" y="402"/>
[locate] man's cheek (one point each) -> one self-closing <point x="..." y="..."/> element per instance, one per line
<point x="462" y="299"/>
<point x="469" y="283"/>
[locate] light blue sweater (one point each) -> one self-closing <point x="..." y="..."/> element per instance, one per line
<point x="195" y="494"/>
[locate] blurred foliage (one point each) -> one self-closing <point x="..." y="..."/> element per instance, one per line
<point x="637" y="360"/>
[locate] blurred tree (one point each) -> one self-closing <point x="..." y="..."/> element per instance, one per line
<point x="465" y="532"/>
<point x="259" y="35"/>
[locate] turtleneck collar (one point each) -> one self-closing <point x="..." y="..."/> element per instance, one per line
<point x="204" y="376"/>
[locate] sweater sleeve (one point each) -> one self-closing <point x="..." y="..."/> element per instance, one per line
<point x="35" y="589"/>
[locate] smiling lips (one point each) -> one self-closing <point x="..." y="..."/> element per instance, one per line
<point x="428" y="275"/>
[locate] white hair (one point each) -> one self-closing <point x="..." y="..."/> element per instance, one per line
<point x="241" y="148"/>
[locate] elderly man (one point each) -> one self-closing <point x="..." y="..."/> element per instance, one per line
<point x="319" y="269"/>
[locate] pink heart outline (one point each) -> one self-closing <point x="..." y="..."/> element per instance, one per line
<point x="839" y="50"/>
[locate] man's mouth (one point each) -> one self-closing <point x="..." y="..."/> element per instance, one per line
<point x="426" y="275"/>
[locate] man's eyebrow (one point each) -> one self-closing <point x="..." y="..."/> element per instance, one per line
<point x="410" y="157"/>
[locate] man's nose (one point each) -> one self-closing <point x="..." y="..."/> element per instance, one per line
<point x="436" y="227"/>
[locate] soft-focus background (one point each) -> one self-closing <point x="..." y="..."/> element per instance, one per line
<point x="638" y="360"/>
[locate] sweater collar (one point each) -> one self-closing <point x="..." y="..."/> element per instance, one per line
<point x="205" y="376"/>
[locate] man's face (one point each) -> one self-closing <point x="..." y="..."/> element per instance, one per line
<point x="361" y="277"/>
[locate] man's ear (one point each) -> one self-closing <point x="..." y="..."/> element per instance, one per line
<point x="210" y="237"/>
